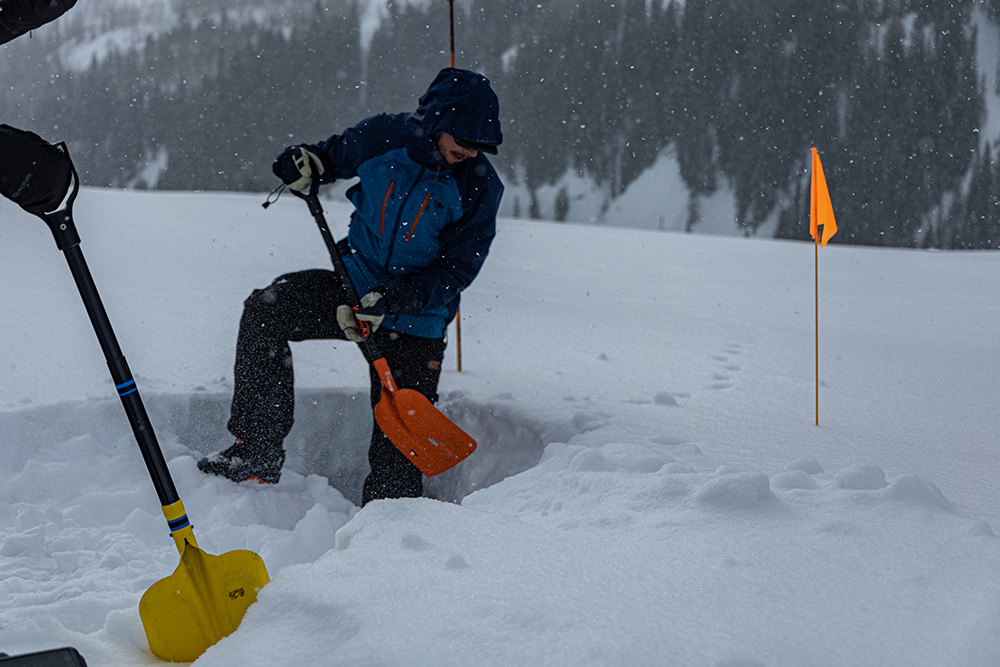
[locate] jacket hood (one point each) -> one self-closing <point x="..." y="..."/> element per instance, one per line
<point x="463" y="104"/>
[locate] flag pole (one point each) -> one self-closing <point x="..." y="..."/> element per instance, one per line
<point x="451" y="24"/>
<point x="820" y="215"/>
<point x="458" y="335"/>
<point x="816" y="282"/>
<point x="458" y="312"/>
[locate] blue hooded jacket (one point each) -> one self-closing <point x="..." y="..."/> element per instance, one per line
<point x="422" y="228"/>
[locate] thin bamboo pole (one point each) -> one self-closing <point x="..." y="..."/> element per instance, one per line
<point x="458" y="313"/>
<point x="816" y="281"/>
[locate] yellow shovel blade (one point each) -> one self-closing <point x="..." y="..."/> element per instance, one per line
<point x="203" y="601"/>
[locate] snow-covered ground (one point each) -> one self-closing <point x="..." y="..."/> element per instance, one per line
<point x="650" y="487"/>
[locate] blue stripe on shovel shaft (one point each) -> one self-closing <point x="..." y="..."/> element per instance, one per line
<point x="178" y="523"/>
<point x="126" y="388"/>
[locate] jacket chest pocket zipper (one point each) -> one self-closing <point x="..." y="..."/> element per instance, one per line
<point x="399" y="215"/>
<point x="385" y="202"/>
<point x="423" y="206"/>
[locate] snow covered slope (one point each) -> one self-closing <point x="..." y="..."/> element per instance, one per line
<point x="650" y="487"/>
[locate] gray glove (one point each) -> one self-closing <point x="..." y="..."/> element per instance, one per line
<point x="358" y="324"/>
<point x="296" y="167"/>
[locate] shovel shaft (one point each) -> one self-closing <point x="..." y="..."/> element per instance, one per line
<point x="122" y="376"/>
<point x="338" y="262"/>
<point x="368" y="346"/>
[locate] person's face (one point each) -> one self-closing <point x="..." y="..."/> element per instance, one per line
<point x="452" y="152"/>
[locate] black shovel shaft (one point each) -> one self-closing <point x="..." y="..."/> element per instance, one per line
<point x="338" y="262"/>
<point x="63" y="229"/>
<point x="122" y="376"/>
<point x="368" y="347"/>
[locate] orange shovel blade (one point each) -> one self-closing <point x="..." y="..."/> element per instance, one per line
<point x="431" y="441"/>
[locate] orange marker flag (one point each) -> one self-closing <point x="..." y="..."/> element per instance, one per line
<point x="820" y="214"/>
<point x="820" y="206"/>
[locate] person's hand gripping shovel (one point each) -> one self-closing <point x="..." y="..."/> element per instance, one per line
<point x="206" y="597"/>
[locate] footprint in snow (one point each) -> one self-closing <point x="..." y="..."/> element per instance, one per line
<point x="667" y="440"/>
<point x="664" y="398"/>
<point x="793" y="479"/>
<point x="456" y="563"/>
<point x="414" y="542"/>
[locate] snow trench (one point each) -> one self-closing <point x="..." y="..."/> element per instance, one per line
<point x="330" y="437"/>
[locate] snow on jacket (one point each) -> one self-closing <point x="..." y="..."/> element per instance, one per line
<point x="422" y="228"/>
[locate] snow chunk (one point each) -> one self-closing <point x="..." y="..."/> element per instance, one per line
<point x="735" y="489"/>
<point x="867" y="476"/>
<point x="810" y="466"/>
<point x="916" y="490"/>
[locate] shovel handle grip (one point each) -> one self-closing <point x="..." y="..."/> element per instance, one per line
<point x="363" y="326"/>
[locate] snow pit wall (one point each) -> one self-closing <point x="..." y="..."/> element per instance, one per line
<point x="330" y="436"/>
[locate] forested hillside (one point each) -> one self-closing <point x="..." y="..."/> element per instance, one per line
<point x="889" y="90"/>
